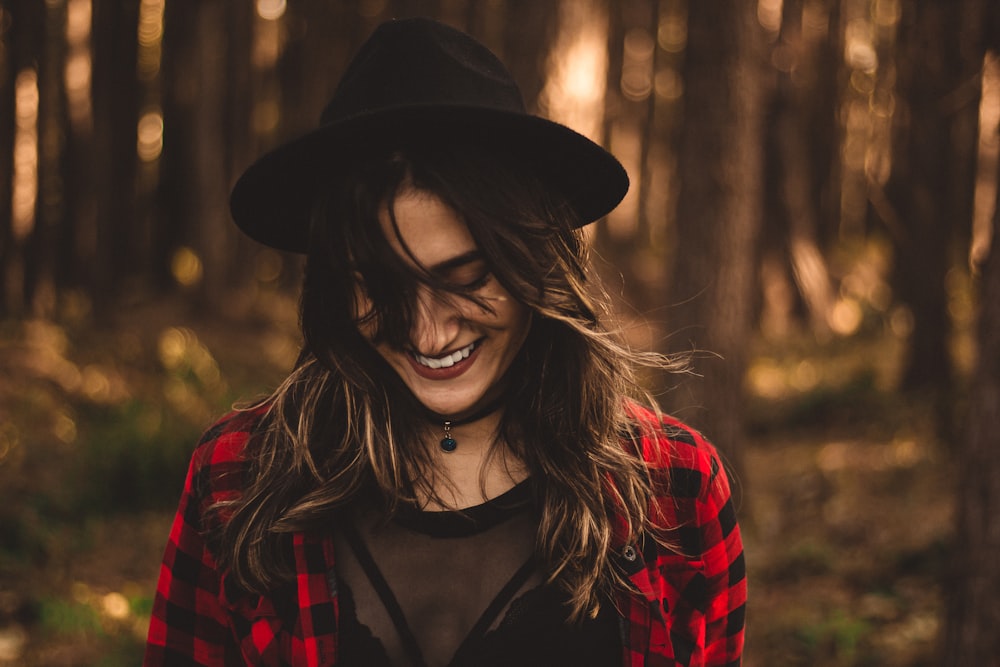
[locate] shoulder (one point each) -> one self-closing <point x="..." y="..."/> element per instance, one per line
<point x="224" y="442"/>
<point x="676" y="454"/>
<point x="218" y="462"/>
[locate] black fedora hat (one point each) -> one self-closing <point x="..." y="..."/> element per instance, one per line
<point x="418" y="75"/>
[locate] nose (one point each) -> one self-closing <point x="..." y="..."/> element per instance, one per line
<point x="436" y="322"/>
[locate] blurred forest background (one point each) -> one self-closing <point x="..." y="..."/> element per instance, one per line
<point x="812" y="210"/>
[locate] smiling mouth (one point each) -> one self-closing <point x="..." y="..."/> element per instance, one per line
<point x="447" y="360"/>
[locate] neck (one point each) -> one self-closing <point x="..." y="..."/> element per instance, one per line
<point x="473" y="435"/>
<point x="468" y="475"/>
<point x="448" y="440"/>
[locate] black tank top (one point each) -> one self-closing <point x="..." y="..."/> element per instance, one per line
<point x="459" y="589"/>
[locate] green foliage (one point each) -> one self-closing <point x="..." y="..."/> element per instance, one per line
<point x="124" y="652"/>
<point x="25" y="537"/>
<point x="65" y="617"/>
<point x="802" y="638"/>
<point x="823" y="405"/>
<point x="97" y="641"/>
<point x="141" y="605"/>
<point x="804" y="559"/>
<point x="837" y="636"/>
<point x="98" y="438"/>
<point x="131" y="456"/>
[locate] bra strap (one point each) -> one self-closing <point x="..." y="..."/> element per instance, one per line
<point x="381" y="586"/>
<point x="409" y="641"/>
<point x="501" y="600"/>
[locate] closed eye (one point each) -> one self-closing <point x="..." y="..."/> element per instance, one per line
<point x="468" y="272"/>
<point x="478" y="283"/>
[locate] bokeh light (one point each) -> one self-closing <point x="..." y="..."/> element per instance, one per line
<point x="78" y="68"/>
<point x="25" y="181"/>
<point x="672" y="33"/>
<point x="769" y="14"/>
<point x="669" y="85"/>
<point x="859" y="46"/>
<point x="988" y="162"/>
<point x="271" y="10"/>
<point x="186" y="267"/>
<point x="637" y="67"/>
<point x="150" y="36"/>
<point x="149" y="136"/>
<point x="577" y="69"/>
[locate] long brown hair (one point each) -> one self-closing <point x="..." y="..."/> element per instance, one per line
<point x="338" y="425"/>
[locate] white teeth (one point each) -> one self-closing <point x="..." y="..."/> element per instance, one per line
<point x="447" y="360"/>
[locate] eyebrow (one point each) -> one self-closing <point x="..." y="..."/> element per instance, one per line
<point x="457" y="261"/>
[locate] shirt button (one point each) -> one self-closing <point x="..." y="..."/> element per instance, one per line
<point x="629" y="553"/>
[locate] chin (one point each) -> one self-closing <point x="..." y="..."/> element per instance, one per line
<point x="450" y="406"/>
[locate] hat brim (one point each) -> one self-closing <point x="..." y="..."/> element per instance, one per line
<point x="272" y="201"/>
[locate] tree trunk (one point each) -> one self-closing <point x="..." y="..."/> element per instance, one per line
<point x="8" y="75"/>
<point x="528" y="29"/>
<point x="241" y="147"/>
<point x="194" y="181"/>
<point x="928" y="69"/>
<point x="115" y="118"/>
<point x="801" y="149"/>
<point x="971" y="636"/>
<point x="962" y="107"/>
<point x="623" y="239"/>
<point x="209" y="169"/>
<point x="173" y="192"/>
<point x="25" y="42"/>
<point x="44" y="241"/>
<point x="77" y="252"/>
<point x="718" y="216"/>
<point x="322" y="37"/>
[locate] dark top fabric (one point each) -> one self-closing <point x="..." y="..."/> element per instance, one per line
<point x="468" y="583"/>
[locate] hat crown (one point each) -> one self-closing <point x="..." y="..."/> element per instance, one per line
<point x="419" y="62"/>
<point x="417" y="78"/>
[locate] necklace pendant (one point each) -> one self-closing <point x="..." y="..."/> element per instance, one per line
<point x="448" y="443"/>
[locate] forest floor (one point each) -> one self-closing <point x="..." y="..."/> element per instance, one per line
<point x="846" y="503"/>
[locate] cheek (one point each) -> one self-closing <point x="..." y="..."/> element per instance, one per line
<point x="515" y="317"/>
<point x="521" y="324"/>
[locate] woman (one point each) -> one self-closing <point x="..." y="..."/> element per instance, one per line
<point x="458" y="470"/>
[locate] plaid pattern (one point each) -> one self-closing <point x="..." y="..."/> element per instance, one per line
<point x="689" y="609"/>
<point x="691" y="604"/>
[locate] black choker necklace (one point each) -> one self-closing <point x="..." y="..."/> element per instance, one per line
<point x="448" y="443"/>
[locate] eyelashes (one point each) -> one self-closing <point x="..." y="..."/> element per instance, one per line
<point x="478" y="283"/>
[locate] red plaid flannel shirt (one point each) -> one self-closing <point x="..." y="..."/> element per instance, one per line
<point x="689" y="608"/>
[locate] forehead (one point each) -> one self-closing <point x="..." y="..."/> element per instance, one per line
<point x="427" y="231"/>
